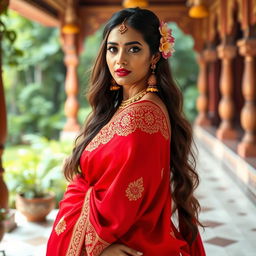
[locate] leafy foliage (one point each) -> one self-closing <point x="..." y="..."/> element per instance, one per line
<point x="36" y="170"/>
<point x="8" y="37"/>
<point x="35" y="86"/>
<point x="35" y="115"/>
<point x="185" y="69"/>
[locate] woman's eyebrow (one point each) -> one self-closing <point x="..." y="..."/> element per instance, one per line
<point x="133" y="42"/>
<point x="128" y="43"/>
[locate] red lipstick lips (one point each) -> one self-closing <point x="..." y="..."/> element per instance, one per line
<point x="122" y="72"/>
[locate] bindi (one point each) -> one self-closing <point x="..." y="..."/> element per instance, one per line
<point x="123" y="28"/>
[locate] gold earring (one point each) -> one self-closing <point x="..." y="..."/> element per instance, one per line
<point x="114" y="86"/>
<point x="152" y="87"/>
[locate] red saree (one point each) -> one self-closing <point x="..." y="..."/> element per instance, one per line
<point x="124" y="196"/>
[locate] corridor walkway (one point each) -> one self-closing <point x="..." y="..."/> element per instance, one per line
<point x="226" y="210"/>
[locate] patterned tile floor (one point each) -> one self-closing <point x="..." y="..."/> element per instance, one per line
<point x="226" y="210"/>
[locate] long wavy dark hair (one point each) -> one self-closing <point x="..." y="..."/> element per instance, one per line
<point x="104" y="104"/>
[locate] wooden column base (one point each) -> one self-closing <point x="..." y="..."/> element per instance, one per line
<point x="245" y="149"/>
<point x="202" y="120"/>
<point x="226" y="134"/>
<point x="71" y="125"/>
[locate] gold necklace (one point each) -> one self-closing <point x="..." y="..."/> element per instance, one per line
<point x="135" y="98"/>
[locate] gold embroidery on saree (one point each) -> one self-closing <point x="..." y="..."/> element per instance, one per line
<point x="135" y="190"/>
<point x="94" y="244"/>
<point x="61" y="226"/>
<point x="147" y="117"/>
<point x="84" y="233"/>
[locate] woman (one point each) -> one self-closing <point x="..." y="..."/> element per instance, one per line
<point x="130" y="169"/>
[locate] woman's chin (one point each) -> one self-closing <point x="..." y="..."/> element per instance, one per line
<point x="124" y="81"/>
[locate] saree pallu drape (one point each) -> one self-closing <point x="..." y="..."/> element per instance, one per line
<point x="123" y="195"/>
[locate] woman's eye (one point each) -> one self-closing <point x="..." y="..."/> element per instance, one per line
<point x="112" y="49"/>
<point x="134" y="49"/>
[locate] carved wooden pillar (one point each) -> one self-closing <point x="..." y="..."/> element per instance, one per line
<point x="71" y="84"/>
<point x="213" y="76"/>
<point x="226" y="106"/>
<point x="3" y="133"/>
<point x="202" y="100"/>
<point x="247" y="147"/>
<point x="70" y="31"/>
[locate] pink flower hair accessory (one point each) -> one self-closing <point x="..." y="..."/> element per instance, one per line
<point x="167" y="41"/>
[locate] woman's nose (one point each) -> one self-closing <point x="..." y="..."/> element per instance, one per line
<point x="121" y="59"/>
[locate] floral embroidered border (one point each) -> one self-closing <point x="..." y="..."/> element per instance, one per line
<point x="94" y="244"/>
<point x="147" y="117"/>
<point x="84" y="233"/>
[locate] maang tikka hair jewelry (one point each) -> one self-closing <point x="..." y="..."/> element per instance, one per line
<point x="152" y="87"/>
<point x="114" y="86"/>
<point x="123" y="28"/>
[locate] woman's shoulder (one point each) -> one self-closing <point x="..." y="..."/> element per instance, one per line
<point x="148" y="114"/>
<point x="154" y="99"/>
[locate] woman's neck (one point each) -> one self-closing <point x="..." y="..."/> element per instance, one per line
<point x="130" y="91"/>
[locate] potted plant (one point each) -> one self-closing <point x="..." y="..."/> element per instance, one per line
<point x="35" y="198"/>
<point x="36" y="176"/>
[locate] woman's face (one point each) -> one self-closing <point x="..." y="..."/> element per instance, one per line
<point x="128" y="57"/>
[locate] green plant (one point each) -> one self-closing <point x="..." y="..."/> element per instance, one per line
<point x="34" y="115"/>
<point x="34" y="89"/>
<point x="190" y="96"/>
<point x="36" y="169"/>
<point x="185" y="70"/>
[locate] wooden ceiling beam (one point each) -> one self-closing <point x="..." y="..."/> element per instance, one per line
<point x="57" y="4"/>
<point x="167" y="12"/>
<point x="34" y="12"/>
